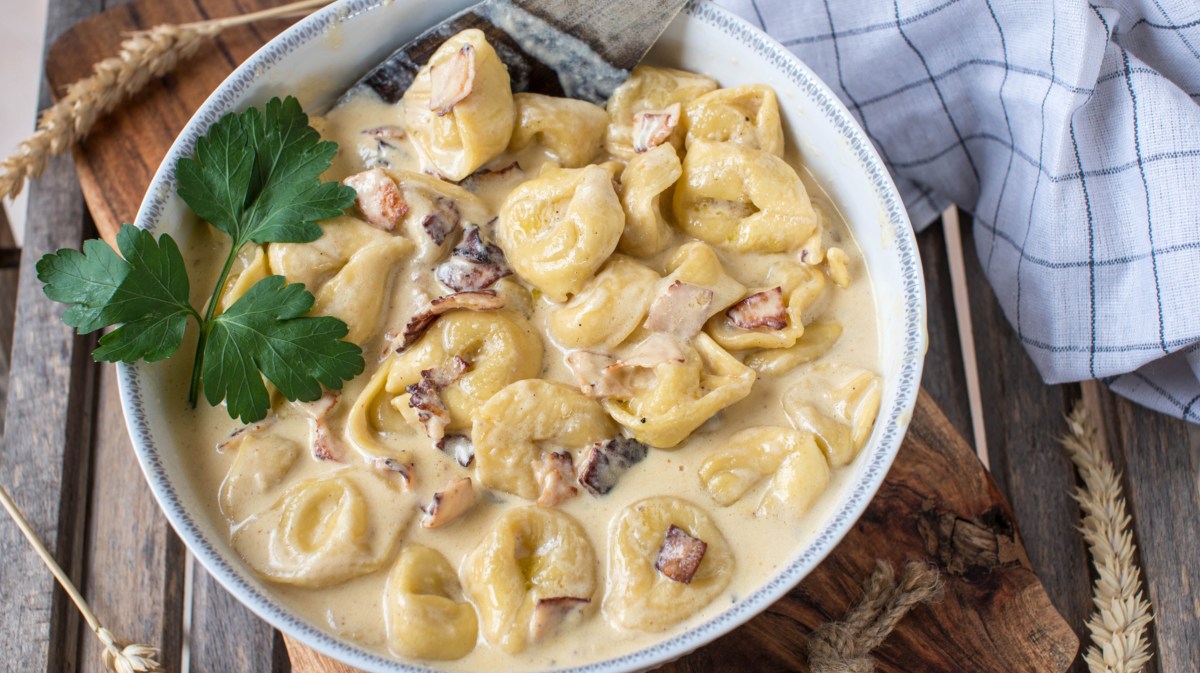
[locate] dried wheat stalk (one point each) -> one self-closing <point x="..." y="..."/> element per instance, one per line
<point x="144" y="55"/>
<point x="1118" y="626"/>
<point x="118" y="657"/>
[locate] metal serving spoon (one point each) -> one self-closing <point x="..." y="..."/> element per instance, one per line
<point x="573" y="48"/>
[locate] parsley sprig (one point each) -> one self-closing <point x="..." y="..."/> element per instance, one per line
<point x="256" y="177"/>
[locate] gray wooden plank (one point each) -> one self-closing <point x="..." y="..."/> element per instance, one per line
<point x="225" y="636"/>
<point x="1024" y="419"/>
<point x="134" y="563"/>
<point x="1160" y="476"/>
<point x="8" y="304"/>
<point x="943" y="377"/>
<point x="47" y="421"/>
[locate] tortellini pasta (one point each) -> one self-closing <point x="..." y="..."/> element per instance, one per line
<point x="572" y="131"/>
<point x="837" y="403"/>
<point x="426" y="615"/>
<point x="818" y="338"/>
<point x="801" y="287"/>
<point x="650" y="88"/>
<point x="645" y="185"/>
<point x="610" y="307"/>
<point x="551" y="415"/>
<point x="698" y="264"/>
<point x="558" y="228"/>
<point x="530" y="568"/>
<point x="499" y="347"/>
<point x="349" y="269"/>
<point x="798" y="471"/>
<point x="641" y="598"/>
<point x="742" y="199"/>
<point x="262" y="461"/>
<point x="459" y="110"/>
<point x="326" y="530"/>
<point x="745" y="115"/>
<point x="672" y="398"/>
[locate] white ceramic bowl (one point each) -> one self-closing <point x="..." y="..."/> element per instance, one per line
<point x="319" y="57"/>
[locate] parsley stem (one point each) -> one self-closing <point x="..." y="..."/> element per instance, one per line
<point x="206" y="322"/>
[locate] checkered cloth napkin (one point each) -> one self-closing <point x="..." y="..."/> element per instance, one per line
<point x="1071" y="131"/>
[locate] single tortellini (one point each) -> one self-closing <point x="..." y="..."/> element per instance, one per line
<point x="326" y="530"/>
<point x="745" y="115"/>
<point x="349" y="269"/>
<point x="837" y="403"/>
<point x="772" y="316"/>
<point x="359" y="294"/>
<point x="314" y="263"/>
<point x="640" y="596"/>
<point x="645" y="185"/>
<point x="262" y="461"/>
<point x="798" y="471"/>
<point x="532" y="570"/>
<point x="743" y="199"/>
<point x="650" y="88"/>
<point x="611" y="306"/>
<point x="527" y="419"/>
<point x="672" y="398"/>
<point x="698" y="264"/>
<point x="558" y="228"/>
<point x="375" y="414"/>
<point x="819" y="336"/>
<point x="499" y="347"/>
<point x="459" y="110"/>
<point x="572" y="131"/>
<point x="425" y="613"/>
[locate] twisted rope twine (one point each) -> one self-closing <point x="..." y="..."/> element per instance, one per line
<point x="845" y="646"/>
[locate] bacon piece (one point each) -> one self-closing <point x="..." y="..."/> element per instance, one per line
<point x="651" y="128"/>
<point x="681" y="310"/>
<point x="680" y="555"/>
<point x="474" y="264"/>
<point x="239" y="435"/>
<point x="596" y="374"/>
<point x="555" y="472"/>
<point x="425" y="395"/>
<point x="392" y="466"/>
<point x="603" y="462"/>
<point x="442" y="220"/>
<point x="458" y="446"/>
<point x="761" y="309"/>
<point x="483" y="176"/>
<point x="549" y="613"/>
<point x="324" y="446"/>
<point x="452" y="80"/>
<point x="448" y="504"/>
<point x="378" y="199"/>
<point x="478" y="300"/>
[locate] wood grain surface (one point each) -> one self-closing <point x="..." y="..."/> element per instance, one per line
<point x="1160" y="473"/>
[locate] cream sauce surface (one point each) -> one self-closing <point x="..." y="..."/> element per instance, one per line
<point x="355" y="609"/>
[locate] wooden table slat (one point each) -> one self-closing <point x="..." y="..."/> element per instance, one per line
<point x="226" y="637"/>
<point x="943" y="378"/>
<point x="1024" y="419"/>
<point x="134" y="563"/>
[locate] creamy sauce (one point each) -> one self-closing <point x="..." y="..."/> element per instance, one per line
<point x="354" y="609"/>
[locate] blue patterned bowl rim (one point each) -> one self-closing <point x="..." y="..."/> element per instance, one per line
<point x="894" y="417"/>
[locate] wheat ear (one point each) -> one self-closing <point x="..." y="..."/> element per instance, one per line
<point x="118" y="657"/>
<point x="144" y="55"/>
<point x="1118" y="626"/>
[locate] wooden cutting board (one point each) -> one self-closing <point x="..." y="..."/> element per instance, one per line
<point x="937" y="505"/>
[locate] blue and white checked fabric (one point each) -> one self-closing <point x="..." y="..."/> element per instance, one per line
<point x="1071" y="131"/>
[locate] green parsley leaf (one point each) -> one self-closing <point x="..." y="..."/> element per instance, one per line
<point x="256" y="176"/>
<point x="147" y="290"/>
<point x="266" y="330"/>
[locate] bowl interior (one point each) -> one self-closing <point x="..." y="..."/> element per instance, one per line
<point x="315" y="61"/>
